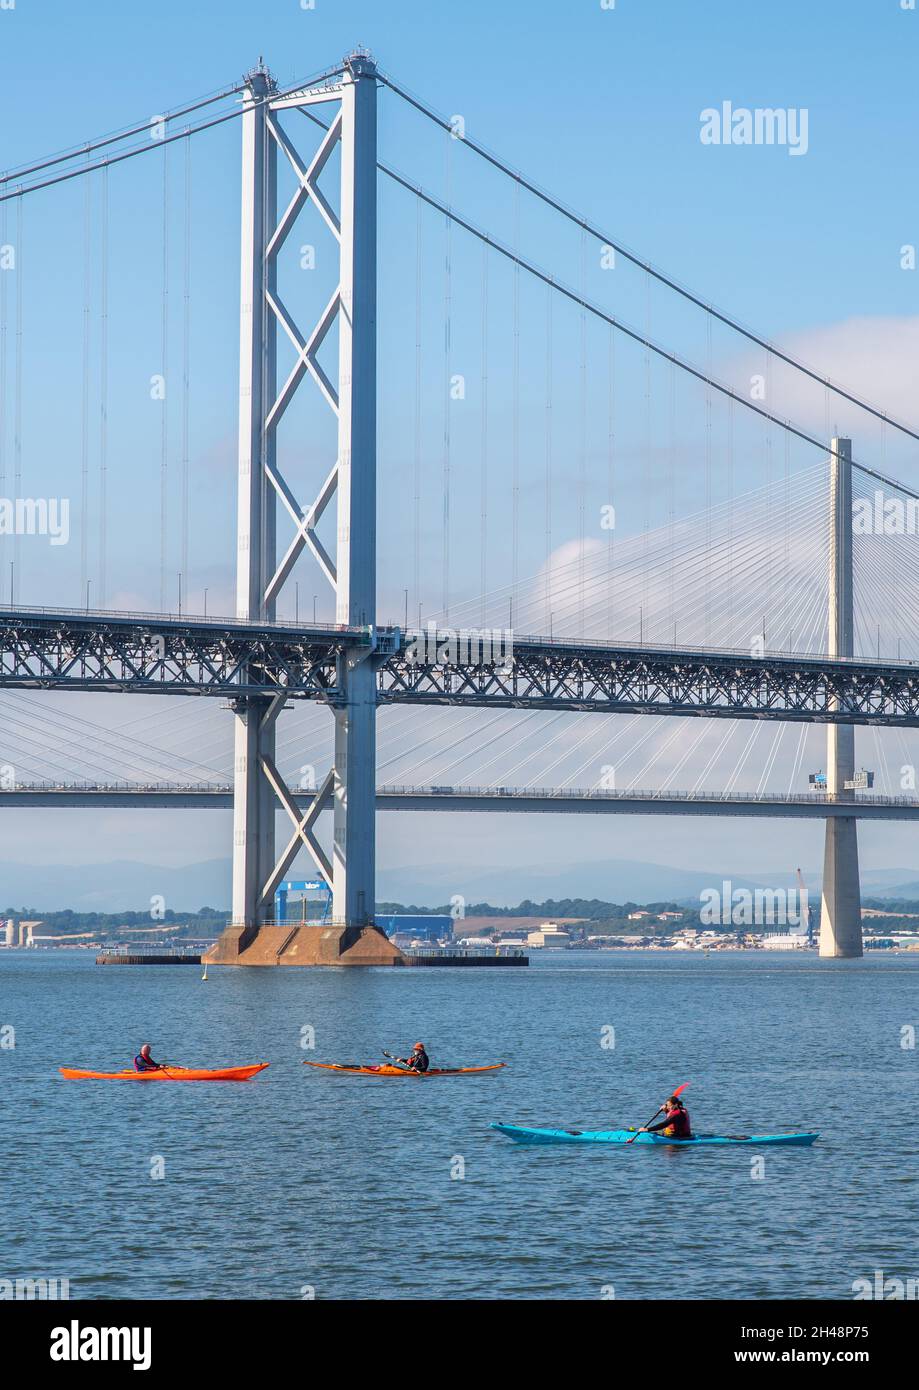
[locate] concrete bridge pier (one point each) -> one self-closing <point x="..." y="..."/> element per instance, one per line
<point x="841" y="906"/>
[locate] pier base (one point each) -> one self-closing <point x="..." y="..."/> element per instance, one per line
<point x="840" y="909"/>
<point x="304" y="945"/>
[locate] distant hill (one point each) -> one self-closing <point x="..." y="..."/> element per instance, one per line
<point x="122" y="886"/>
<point x="890" y="883"/>
<point x="606" y="880"/>
<point x="902" y="892"/>
<point x="128" y="885"/>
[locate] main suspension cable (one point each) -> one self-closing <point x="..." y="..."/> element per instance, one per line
<point x="635" y="260"/>
<point x="21" y="190"/>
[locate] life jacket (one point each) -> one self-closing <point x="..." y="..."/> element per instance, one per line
<point x="678" y="1126"/>
<point x="419" y="1061"/>
<point x="141" y="1064"/>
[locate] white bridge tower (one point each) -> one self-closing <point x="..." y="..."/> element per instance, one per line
<point x="345" y="106"/>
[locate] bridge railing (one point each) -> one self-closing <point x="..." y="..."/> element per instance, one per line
<point x="510" y="793"/>
<point x="164" y="787"/>
<point x="600" y="644"/>
<point x="217" y="620"/>
<point x="636" y="794"/>
<point x="467" y="952"/>
<point x="519" y="639"/>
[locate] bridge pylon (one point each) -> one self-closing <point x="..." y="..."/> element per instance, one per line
<point x="349" y="791"/>
<point x="840" y="910"/>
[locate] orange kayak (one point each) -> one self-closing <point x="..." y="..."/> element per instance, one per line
<point x="167" y="1074"/>
<point x="352" y="1069"/>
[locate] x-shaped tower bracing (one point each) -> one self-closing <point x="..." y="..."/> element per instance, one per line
<point x="349" y="788"/>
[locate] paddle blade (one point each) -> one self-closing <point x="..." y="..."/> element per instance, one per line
<point x="679" y="1089"/>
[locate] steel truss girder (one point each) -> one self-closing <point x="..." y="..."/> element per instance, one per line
<point x="67" y="652"/>
<point x="170" y="658"/>
<point x="612" y="680"/>
<point x="176" y="658"/>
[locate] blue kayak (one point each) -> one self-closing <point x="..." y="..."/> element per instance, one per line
<point x="525" y="1135"/>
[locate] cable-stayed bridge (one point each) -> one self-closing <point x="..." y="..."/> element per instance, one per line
<point x="620" y="517"/>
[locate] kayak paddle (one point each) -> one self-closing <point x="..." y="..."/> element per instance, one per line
<point x="656" y="1113"/>
<point x="397" y="1060"/>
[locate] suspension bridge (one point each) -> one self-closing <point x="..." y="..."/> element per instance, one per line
<point x="597" y="561"/>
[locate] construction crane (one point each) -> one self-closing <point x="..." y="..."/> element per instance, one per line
<point x="811" y="910"/>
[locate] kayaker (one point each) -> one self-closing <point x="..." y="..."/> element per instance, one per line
<point x="419" y="1060"/>
<point x="144" y="1062"/>
<point x="675" y="1124"/>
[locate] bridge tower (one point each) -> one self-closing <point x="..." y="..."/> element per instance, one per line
<point x="348" y="100"/>
<point x="840" y="912"/>
<point x="254" y="719"/>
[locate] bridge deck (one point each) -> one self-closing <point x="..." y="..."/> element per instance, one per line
<point x="544" y="800"/>
<point x="139" y="654"/>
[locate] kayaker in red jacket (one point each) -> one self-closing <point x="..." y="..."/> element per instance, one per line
<point x="144" y="1062"/>
<point x="675" y="1124"/>
<point x="418" y="1061"/>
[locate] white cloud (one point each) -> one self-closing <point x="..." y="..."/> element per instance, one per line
<point x="873" y="357"/>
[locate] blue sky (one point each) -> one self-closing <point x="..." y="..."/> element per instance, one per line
<point x="601" y="106"/>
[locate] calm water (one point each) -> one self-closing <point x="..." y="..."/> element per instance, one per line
<point x="306" y="1179"/>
